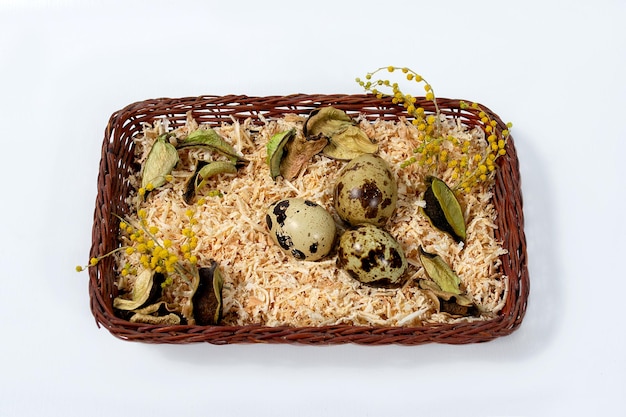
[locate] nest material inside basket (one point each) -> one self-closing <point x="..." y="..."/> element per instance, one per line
<point x="118" y="164"/>
<point x="264" y="286"/>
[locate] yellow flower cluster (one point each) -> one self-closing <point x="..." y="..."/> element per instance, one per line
<point x="477" y="168"/>
<point x="435" y="149"/>
<point x="143" y="242"/>
<point x="191" y="239"/>
<point x="424" y="123"/>
<point x="152" y="254"/>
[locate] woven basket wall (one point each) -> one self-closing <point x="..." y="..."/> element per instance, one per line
<point x="117" y="162"/>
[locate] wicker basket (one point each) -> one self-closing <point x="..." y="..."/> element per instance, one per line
<point x="117" y="163"/>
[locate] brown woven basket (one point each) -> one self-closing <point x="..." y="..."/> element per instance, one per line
<point x="117" y="163"/>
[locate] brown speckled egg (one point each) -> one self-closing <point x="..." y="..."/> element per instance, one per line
<point x="366" y="191"/>
<point x="371" y="256"/>
<point x="302" y="228"/>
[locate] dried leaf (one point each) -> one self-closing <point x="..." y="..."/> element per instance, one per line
<point x="440" y="272"/>
<point x="159" y="308"/>
<point x="346" y="140"/>
<point x="207" y="299"/>
<point x="145" y="289"/>
<point x="209" y="138"/>
<point x="190" y="186"/>
<point x="454" y="304"/>
<point x="275" y="149"/>
<point x="203" y="171"/>
<point x="157" y="313"/>
<point x="299" y="152"/>
<point x="161" y="160"/>
<point x="169" y="319"/>
<point x="349" y="143"/>
<point x="215" y="168"/>
<point x="443" y="209"/>
<point x="325" y="121"/>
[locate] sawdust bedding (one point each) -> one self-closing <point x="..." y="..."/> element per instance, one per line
<point x="265" y="286"/>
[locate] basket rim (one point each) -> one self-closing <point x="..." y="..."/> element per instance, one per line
<point x="243" y="105"/>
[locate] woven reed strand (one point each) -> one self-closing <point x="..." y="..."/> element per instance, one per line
<point x="117" y="163"/>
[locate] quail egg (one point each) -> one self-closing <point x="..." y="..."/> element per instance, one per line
<point x="371" y="256"/>
<point x="366" y="191"/>
<point x="302" y="228"/>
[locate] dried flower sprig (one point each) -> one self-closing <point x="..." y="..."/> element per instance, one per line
<point x="158" y="255"/>
<point x="155" y="255"/>
<point x="484" y="163"/>
<point x="379" y="87"/>
<point x="435" y="149"/>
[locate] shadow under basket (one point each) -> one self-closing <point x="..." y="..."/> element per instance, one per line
<point x="117" y="163"/>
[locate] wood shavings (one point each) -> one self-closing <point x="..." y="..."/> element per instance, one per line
<point x="264" y="286"/>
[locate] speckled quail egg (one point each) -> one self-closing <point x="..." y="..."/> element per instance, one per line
<point x="302" y="228"/>
<point x="371" y="256"/>
<point x="366" y="191"/>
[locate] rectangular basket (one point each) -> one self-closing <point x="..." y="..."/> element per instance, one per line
<point x="117" y="163"/>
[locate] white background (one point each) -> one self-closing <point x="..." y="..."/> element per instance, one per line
<point x="555" y="69"/>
